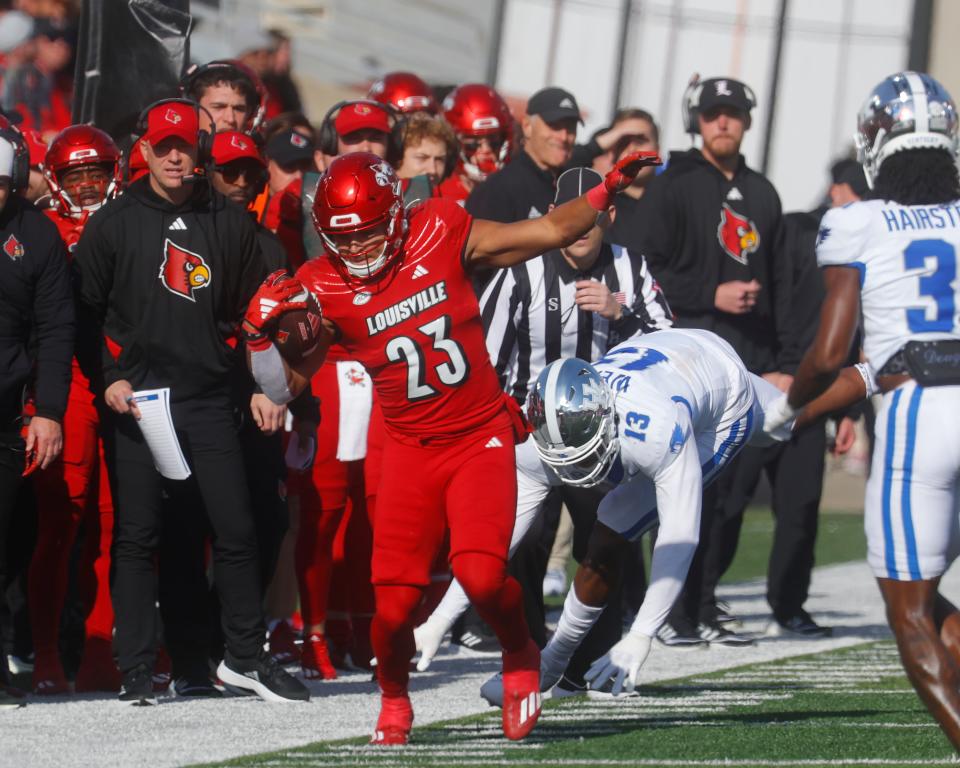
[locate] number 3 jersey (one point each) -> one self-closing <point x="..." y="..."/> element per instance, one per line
<point x="418" y="330"/>
<point x="907" y="259"/>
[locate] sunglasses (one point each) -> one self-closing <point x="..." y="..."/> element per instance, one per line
<point x="231" y="172"/>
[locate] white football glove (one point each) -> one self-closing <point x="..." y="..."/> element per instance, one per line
<point x="621" y="663"/>
<point x="428" y="637"/>
<point x="778" y="419"/>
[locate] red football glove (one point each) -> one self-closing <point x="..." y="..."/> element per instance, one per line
<point x="621" y="177"/>
<point x="270" y="301"/>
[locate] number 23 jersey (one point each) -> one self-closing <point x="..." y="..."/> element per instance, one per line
<point x="907" y="259"/>
<point x="418" y="331"/>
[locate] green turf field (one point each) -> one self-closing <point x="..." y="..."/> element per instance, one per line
<point x="846" y="707"/>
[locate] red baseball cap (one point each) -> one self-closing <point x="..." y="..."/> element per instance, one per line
<point x="234" y="145"/>
<point x="174" y="118"/>
<point x="358" y="115"/>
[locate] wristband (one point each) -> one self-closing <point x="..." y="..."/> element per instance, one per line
<point x="600" y="198"/>
<point x="869" y="382"/>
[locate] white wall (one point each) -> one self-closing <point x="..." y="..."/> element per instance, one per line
<point x="835" y="51"/>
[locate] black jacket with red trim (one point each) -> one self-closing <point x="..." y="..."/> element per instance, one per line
<point x="163" y="287"/>
<point x="699" y="229"/>
<point x="36" y="313"/>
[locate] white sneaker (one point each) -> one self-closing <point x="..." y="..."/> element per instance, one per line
<point x="428" y="637"/>
<point x="555" y="583"/>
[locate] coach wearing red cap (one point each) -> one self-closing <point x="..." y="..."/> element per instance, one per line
<point x="166" y="271"/>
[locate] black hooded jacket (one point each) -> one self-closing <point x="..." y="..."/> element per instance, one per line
<point x="163" y="288"/>
<point x="701" y="229"/>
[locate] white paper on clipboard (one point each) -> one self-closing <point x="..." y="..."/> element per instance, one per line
<point x="156" y="424"/>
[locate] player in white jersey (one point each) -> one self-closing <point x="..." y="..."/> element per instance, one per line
<point x="654" y="420"/>
<point x="894" y="259"/>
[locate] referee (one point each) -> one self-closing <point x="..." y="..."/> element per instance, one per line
<point x="577" y="301"/>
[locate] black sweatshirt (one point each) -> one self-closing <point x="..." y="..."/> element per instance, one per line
<point x="36" y="312"/>
<point x="700" y="229"/>
<point x="162" y="286"/>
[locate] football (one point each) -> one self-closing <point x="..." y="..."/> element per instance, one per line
<point x="297" y="332"/>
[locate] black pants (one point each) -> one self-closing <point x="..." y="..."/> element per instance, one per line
<point x="187" y="605"/>
<point x="795" y="473"/>
<point x="208" y="435"/>
<point x="11" y="467"/>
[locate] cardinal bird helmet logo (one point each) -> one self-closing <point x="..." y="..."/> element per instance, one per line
<point x="737" y="234"/>
<point x="183" y="272"/>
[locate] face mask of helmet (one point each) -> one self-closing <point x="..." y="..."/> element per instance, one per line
<point x="572" y="414"/>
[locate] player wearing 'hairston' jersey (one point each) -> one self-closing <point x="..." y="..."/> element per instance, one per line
<point x="893" y="259"/>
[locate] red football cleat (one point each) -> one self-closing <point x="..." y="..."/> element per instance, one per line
<point x="521" y="691"/>
<point x="48" y="677"/>
<point x="394" y="723"/>
<point x="315" y="659"/>
<point x="283" y="647"/>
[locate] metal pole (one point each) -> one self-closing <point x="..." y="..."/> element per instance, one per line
<point x="496" y="40"/>
<point x="625" y="8"/>
<point x="774" y="87"/>
<point x="918" y="58"/>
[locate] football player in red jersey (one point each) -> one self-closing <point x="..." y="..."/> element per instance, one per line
<point x="483" y="125"/>
<point x="82" y="168"/>
<point x="396" y="293"/>
<point x="406" y="92"/>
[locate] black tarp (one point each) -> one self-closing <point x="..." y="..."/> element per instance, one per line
<point x="130" y="53"/>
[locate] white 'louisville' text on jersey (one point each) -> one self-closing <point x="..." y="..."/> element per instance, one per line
<point x="907" y="259"/>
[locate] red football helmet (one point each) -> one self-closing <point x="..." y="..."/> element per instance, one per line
<point x="476" y="112"/>
<point x="76" y="146"/>
<point x="360" y="191"/>
<point x="405" y="92"/>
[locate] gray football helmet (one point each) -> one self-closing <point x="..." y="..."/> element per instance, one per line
<point x="908" y="110"/>
<point x="574" y="423"/>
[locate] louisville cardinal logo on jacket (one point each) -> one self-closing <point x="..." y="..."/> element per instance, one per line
<point x="737" y="234"/>
<point x="183" y="272"/>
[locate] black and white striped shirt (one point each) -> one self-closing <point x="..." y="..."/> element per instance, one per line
<point x="530" y="318"/>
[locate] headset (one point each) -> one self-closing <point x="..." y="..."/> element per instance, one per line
<point x="690" y="105"/>
<point x="327" y="133"/>
<point x="204" y="138"/>
<point x="229" y="66"/>
<point x="20" y="176"/>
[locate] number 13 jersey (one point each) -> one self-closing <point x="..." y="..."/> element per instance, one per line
<point x="907" y="259"/>
<point x="417" y="331"/>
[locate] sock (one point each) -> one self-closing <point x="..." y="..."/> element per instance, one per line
<point x="575" y="621"/>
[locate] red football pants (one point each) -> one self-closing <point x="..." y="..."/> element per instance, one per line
<point x="74" y="489"/>
<point x="333" y="544"/>
<point x="470" y="487"/>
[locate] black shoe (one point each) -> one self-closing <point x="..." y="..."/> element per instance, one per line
<point x="11" y="698"/>
<point x="722" y="614"/>
<point x="263" y="676"/>
<point x="137" y="688"/>
<point x="679" y="635"/>
<point x="196" y="687"/>
<point x="717" y="634"/>
<point x="799" y="624"/>
<point x="474" y="635"/>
